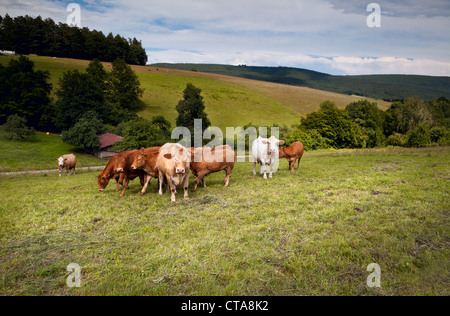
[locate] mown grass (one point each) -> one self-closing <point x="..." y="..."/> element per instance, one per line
<point x="39" y="153"/>
<point x="313" y="232"/>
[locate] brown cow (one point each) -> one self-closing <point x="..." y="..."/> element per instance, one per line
<point x="292" y="153"/>
<point x="146" y="161"/>
<point x="173" y="165"/>
<point x="68" y="162"/>
<point x="205" y="161"/>
<point x="119" y="168"/>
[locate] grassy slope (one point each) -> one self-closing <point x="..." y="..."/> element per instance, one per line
<point x="295" y="234"/>
<point x="376" y="86"/>
<point x="229" y="101"/>
<point x="39" y="154"/>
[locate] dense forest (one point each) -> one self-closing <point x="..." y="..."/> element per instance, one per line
<point x="27" y="35"/>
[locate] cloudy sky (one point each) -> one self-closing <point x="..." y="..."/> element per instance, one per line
<point x="331" y="36"/>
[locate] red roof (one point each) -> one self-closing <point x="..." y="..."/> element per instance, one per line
<point x="108" y="139"/>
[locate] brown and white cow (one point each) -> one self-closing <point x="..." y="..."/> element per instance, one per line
<point x="292" y="154"/>
<point x="119" y="168"/>
<point x="173" y="165"/>
<point x="146" y="161"/>
<point x="206" y="160"/>
<point x="67" y="162"/>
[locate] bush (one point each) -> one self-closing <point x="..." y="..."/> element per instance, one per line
<point x="396" y="139"/>
<point x="419" y="137"/>
<point x="16" y="127"/>
<point x="84" y="133"/>
<point x="311" y="139"/>
<point x="140" y="133"/>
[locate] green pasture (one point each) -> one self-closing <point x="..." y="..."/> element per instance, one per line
<point x="39" y="153"/>
<point x="313" y="232"/>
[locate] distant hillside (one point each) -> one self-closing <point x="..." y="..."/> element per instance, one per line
<point x="384" y="87"/>
<point x="230" y="101"/>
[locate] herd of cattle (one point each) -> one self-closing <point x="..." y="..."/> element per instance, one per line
<point x="172" y="164"/>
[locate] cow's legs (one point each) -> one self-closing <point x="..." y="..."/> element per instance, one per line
<point x="254" y="168"/>
<point x="147" y="182"/>
<point x="299" y="163"/>
<point x="161" y="182"/>
<point x="186" y="186"/>
<point x="125" y="186"/>
<point x="228" y="170"/>
<point x="200" y="178"/>
<point x="271" y="170"/>
<point x="265" y="171"/>
<point x="172" y="187"/>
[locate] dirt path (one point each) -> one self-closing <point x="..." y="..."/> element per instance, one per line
<point x="47" y="171"/>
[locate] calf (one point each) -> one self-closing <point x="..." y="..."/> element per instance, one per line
<point x="265" y="152"/>
<point x="173" y="165"/>
<point x="119" y="168"/>
<point x="67" y="162"/>
<point x="146" y="161"/>
<point x="292" y="153"/>
<point x="205" y="161"/>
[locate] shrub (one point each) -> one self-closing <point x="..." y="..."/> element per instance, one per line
<point x="16" y="127"/>
<point x="419" y="137"/>
<point x="396" y="139"/>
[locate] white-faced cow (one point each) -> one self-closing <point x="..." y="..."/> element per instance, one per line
<point x="67" y="162"/>
<point x="173" y="164"/>
<point x="265" y="152"/>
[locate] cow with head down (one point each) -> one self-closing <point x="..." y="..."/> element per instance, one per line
<point x="67" y="162"/>
<point x="292" y="154"/>
<point x="173" y="165"/>
<point x="265" y="152"/>
<point x="119" y="168"/>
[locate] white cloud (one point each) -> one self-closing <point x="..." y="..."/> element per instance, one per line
<point x="283" y="32"/>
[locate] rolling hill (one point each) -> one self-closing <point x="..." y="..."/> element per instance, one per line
<point x="230" y="101"/>
<point x="385" y="87"/>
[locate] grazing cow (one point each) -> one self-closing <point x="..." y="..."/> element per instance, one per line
<point x="146" y="161"/>
<point x="173" y="165"/>
<point x="265" y="152"/>
<point x="292" y="153"/>
<point x="205" y="161"/>
<point x="67" y="162"/>
<point x="119" y="168"/>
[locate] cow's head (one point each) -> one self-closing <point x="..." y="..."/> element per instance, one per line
<point x="272" y="144"/>
<point x="181" y="158"/>
<point x="61" y="161"/>
<point x="281" y="153"/>
<point x="139" y="162"/>
<point x="102" y="181"/>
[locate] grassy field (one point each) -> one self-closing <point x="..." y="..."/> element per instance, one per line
<point x="313" y="232"/>
<point x="40" y="153"/>
<point x="229" y="101"/>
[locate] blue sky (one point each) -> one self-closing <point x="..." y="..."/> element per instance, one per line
<point x="331" y="36"/>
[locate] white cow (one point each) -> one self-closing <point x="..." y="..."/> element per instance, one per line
<point x="265" y="152"/>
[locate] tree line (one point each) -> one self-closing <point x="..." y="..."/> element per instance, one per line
<point x="27" y="35"/>
<point x="88" y="103"/>
<point x="94" y="101"/>
<point x="411" y="122"/>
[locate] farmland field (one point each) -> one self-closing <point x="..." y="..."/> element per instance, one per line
<point x="224" y="96"/>
<point x="313" y="232"/>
